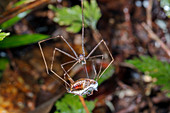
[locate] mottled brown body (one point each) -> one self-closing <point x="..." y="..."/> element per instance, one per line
<point x="82" y="83"/>
<point x="83" y="86"/>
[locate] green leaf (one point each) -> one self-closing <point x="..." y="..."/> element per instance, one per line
<point x="72" y="17"/>
<point x="3" y="35"/>
<point x="75" y="27"/>
<point x="20" y="40"/>
<point x="3" y="62"/>
<point x="13" y="20"/>
<point x="155" y="68"/>
<point x="71" y="104"/>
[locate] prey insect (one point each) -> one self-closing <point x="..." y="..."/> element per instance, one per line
<point x="83" y="86"/>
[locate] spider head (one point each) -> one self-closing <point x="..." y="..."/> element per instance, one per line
<point x="82" y="59"/>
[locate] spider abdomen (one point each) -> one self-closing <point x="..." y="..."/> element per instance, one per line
<point x="83" y="86"/>
<point x="77" y="86"/>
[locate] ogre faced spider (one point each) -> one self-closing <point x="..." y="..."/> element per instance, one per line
<point x="83" y="86"/>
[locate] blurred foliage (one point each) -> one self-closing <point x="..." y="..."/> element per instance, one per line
<point x="165" y="4"/>
<point x="13" y="20"/>
<point x="72" y="17"/>
<point x="3" y="62"/>
<point x="156" y="69"/>
<point x="20" y="2"/>
<point x="71" y="104"/>
<point x="108" y="73"/>
<point x="20" y="40"/>
<point x="3" y="35"/>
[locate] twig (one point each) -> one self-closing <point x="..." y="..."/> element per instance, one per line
<point x="84" y="104"/>
<point x="149" y="14"/>
<point x="17" y="10"/>
<point x="153" y="36"/>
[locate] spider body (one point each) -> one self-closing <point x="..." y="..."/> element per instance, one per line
<point x="83" y="86"/>
<point x="82" y="59"/>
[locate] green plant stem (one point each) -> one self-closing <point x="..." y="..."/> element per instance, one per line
<point x="84" y="104"/>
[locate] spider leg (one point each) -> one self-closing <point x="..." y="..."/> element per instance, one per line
<point x="94" y="49"/>
<point x="66" y="72"/>
<point x="69" y="46"/>
<point x="94" y="66"/>
<point x="112" y="59"/>
<point x="56" y="49"/>
<point x="42" y="53"/>
<point x="85" y="67"/>
<point x="95" y="73"/>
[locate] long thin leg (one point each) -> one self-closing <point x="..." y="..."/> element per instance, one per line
<point x="62" y="65"/>
<point x="70" y="79"/>
<point x="94" y="49"/>
<point x="66" y="72"/>
<point x="100" y="68"/>
<point x="65" y="53"/>
<point x="86" y="71"/>
<point x="100" y="64"/>
<point x="65" y="63"/>
<point x="112" y="59"/>
<point x="69" y="46"/>
<point x="59" y="77"/>
<point x="95" y="73"/>
<point x="39" y="43"/>
<point x="54" y="72"/>
<point x="94" y="57"/>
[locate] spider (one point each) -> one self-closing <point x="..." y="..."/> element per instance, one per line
<point x="83" y="86"/>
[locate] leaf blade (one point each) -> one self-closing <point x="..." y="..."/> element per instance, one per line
<point x="20" y="40"/>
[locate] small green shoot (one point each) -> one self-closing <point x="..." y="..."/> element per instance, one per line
<point x="72" y="17"/>
<point x="13" y="20"/>
<point x="156" y="69"/>
<point x="71" y="104"/>
<point x="21" y="40"/>
<point x="3" y="35"/>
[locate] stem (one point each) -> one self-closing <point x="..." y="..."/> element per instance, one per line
<point x="84" y="104"/>
<point x="149" y="14"/>
<point x="153" y="36"/>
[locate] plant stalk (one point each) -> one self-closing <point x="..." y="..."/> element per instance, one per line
<point x="84" y="104"/>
